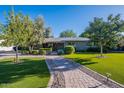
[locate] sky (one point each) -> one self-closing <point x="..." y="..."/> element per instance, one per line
<point x="64" y="17"/>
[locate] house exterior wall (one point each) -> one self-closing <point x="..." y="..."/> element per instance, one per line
<point x="78" y="45"/>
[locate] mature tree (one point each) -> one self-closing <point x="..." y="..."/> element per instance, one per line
<point x="28" y="33"/>
<point x="68" y="33"/>
<point x="33" y="32"/>
<point x="12" y="32"/>
<point x="121" y="42"/>
<point x="21" y="31"/>
<point x="48" y="32"/>
<point x="38" y="34"/>
<point x="105" y="33"/>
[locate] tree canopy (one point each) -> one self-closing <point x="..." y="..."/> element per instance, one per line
<point x="105" y="33"/>
<point x="68" y="33"/>
<point x="20" y="30"/>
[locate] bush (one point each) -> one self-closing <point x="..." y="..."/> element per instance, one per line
<point x="43" y="52"/>
<point x="24" y="51"/>
<point x="48" y="50"/>
<point x="35" y="52"/>
<point x="93" y="49"/>
<point x="69" y="49"/>
<point x="60" y="52"/>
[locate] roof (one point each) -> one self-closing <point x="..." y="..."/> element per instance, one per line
<point x="50" y="40"/>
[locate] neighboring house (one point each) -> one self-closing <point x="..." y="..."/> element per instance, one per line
<point x="2" y="48"/>
<point x="58" y="43"/>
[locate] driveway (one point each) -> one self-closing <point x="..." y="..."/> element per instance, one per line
<point x="68" y="74"/>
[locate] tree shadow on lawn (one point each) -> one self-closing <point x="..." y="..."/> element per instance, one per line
<point x="10" y="72"/>
<point x="84" y="61"/>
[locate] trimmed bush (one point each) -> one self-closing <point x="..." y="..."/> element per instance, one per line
<point x="60" y="52"/>
<point x="42" y="52"/>
<point x="24" y="51"/>
<point x="48" y="50"/>
<point x="35" y="52"/>
<point x="69" y="49"/>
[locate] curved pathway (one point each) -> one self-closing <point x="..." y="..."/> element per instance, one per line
<point x="68" y="74"/>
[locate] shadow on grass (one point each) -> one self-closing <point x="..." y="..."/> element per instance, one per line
<point x="10" y="72"/>
<point x="85" y="61"/>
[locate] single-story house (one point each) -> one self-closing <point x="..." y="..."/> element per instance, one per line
<point x="58" y="43"/>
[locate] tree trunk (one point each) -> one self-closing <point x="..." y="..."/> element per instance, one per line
<point x="30" y="49"/>
<point x="16" y="59"/>
<point x="101" y="50"/>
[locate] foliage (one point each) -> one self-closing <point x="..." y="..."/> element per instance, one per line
<point x="48" y="32"/>
<point x="105" y="33"/>
<point x="68" y="33"/>
<point x="35" y="52"/>
<point x="69" y="49"/>
<point x="42" y="52"/>
<point x="60" y="52"/>
<point x="24" y="51"/>
<point x="21" y="31"/>
<point x="48" y="50"/>
<point x="93" y="49"/>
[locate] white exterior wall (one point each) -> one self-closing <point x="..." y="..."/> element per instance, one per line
<point x="78" y="45"/>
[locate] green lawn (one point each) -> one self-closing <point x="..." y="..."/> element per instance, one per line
<point x="30" y="73"/>
<point x="112" y="63"/>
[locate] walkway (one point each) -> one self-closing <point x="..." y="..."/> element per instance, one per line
<point x="68" y="74"/>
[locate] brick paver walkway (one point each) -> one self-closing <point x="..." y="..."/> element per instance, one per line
<point x="72" y="76"/>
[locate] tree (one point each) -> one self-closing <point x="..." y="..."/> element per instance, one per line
<point x="68" y="33"/>
<point x="38" y="33"/>
<point x="21" y="31"/>
<point x="48" y="32"/>
<point x="12" y="32"/>
<point x="33" y="32"/>
<point x="105" y="33"/>
<point x="28" y="33"/>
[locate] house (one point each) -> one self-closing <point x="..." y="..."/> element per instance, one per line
<point x="58" y="43"/>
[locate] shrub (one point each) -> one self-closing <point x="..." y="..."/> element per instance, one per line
<point x="93" y="49"/>
<point x="60" y="52"/>
<point x="48" y="50"/>
<point x="24" y="51"/>
<point x="43" y="52"/>
<point x="69" y="49"/>
<point x="35" y="52"/>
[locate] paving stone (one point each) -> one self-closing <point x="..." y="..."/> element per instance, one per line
<point x="71" y="75"/>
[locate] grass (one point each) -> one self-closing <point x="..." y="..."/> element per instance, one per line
<point x="113" y="63"/>
<point x="30" y="73"/>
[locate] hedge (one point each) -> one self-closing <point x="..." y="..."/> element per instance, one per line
<point x="69" y="49"/>
<point x="48" y="50"/>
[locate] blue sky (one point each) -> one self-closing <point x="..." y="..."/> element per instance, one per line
<point x="61" y="18"/>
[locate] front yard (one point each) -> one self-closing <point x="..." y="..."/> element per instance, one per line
<point x="30" y="73"/>
<point x="112" y="63"/>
